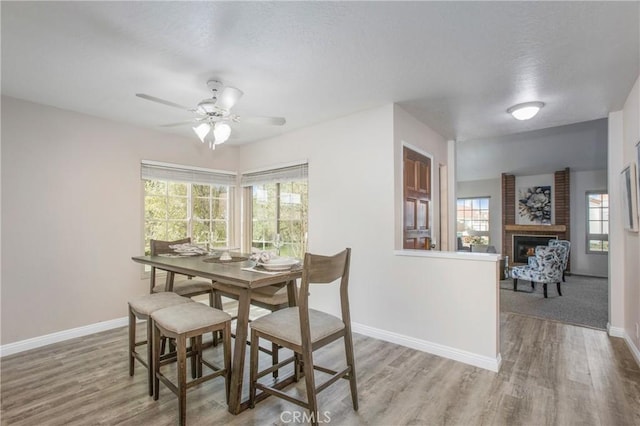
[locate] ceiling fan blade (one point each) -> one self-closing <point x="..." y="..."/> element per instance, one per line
<point x="228" y="98"/>
<point x="182" y="123"/>
<point x="269" y="121"/>
<point x="161" y="101"/>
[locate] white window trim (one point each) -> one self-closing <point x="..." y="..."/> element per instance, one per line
<point x="588" y="235"/>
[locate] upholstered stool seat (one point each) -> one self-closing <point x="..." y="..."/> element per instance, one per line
<point x="189" y="321"/>
<point x="141" y="308"/>
<point x="285" y="325"/>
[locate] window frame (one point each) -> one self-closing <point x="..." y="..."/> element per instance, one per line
<point x="476" y="233"/>
<point x="596" y="237"/>
<point x="292" y="172"/>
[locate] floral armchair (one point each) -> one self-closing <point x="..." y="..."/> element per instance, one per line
<point x="563" y="252"/>
<point x="546" y="270"/>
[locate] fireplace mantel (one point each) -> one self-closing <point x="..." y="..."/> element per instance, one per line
<point x="535" y="228"/>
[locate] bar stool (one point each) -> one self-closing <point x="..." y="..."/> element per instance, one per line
<point x="189" y="321"/>
<point x="141" y="308"/>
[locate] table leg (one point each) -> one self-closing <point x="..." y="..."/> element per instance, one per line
<point x="237" y="368"/>
<point x="292" y="293"/>
<point x="168" y="285"/>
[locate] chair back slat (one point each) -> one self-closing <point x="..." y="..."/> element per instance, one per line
<point x="318" y="269"/>
<point x="324" y="269"/>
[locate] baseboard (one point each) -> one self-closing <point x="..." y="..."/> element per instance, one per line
<point x="615" y="331"/>
<point x="622" y="333"/>
<point x="37" y="342"/>
<point x="488" y="363"/>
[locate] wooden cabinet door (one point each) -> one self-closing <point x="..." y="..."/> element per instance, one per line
<point x="417" y="197"/>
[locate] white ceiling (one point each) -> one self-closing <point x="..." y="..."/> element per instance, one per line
<point x="457" y="66"/>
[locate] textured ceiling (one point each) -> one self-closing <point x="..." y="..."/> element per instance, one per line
<point x="457" y="66"/>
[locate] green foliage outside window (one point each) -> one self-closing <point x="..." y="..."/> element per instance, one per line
<point x="280" y="208"/>
<point x="175" y="210"/>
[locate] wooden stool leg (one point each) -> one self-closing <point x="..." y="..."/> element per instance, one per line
<point x="274" y="358"/>
<point x="515" y="284"/>
<point x="182" y="379"/>
<point x="150" y="362"/>
<point x="253" y="368"/>
<point x="194" y="357"/>
<point x="132" y="341"/>
<point x="544" y="287"/>
<point x="559" y="289"/>
<point x="156" y="362"/>
<point x="226" y="344"/>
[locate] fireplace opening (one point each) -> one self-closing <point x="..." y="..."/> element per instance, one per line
<point x="525" y="245"/>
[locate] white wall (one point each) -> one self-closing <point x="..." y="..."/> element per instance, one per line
<point x="624" y="258"/>
<point x="631" y="132"/>
<point x="487" y="188"/>
<point x="431" y="302"/>
<point x="408" y="130"/>
<point x="73" y="214"/>
<point x="581" y="262"/>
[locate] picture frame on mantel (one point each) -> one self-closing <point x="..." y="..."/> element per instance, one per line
<point x="628" y="190"/>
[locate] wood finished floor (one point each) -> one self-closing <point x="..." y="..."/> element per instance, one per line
<point x="552" y="374"/>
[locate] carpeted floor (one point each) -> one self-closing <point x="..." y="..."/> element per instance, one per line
<point x="584" y="301"/>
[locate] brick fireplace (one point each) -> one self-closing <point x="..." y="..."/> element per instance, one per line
<point x="560" y="229"/>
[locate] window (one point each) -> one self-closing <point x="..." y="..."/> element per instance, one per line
<point x="181" y="202"/>
<point x="597" y="222"/>
<point x="277" y="218"/>
<point x="473" y="220"/>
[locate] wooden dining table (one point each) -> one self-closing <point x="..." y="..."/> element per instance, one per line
<point x="230" y="273"/>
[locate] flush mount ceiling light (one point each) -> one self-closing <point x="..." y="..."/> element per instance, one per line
<point x="526" y="110"/>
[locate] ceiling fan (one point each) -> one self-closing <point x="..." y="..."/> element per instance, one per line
<point x="214" y="114"/>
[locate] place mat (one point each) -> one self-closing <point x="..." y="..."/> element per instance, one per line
<point x="217" y="259"/>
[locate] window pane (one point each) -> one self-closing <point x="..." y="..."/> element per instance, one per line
<point x="595" y="227"/>
<point x="177" y="208"/>
<point x="595" y="214"/>
<point x="595" y="245"/>
<point x="177" y="188"/>
<point x="595" y="200"/>
<point x="605" y="246"/>
<point x="200" y="232"/>
<point x="201" y="209"/>
<point x="176" y="230"/>
<point x="200" y="190"/>
<point x="155" y="187"/>
<point x="605" y="228"/>
<point x="220" y="237"/>
<point x="605" y="200"/>
<point x="155" y="208"/>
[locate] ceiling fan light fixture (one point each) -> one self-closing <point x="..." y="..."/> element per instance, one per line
<point x="221" y="131"/>
<point x="525" y="111"/>
<point x="202" y="130"/>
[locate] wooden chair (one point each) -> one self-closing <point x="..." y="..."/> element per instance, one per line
<point x="141" y="308"/>
<point x="304" y="330"/>
<point x="185" y="287"/>
<point x="189" y="321"/>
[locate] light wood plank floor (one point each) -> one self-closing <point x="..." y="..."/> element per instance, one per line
<point x="552" y="374"/>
